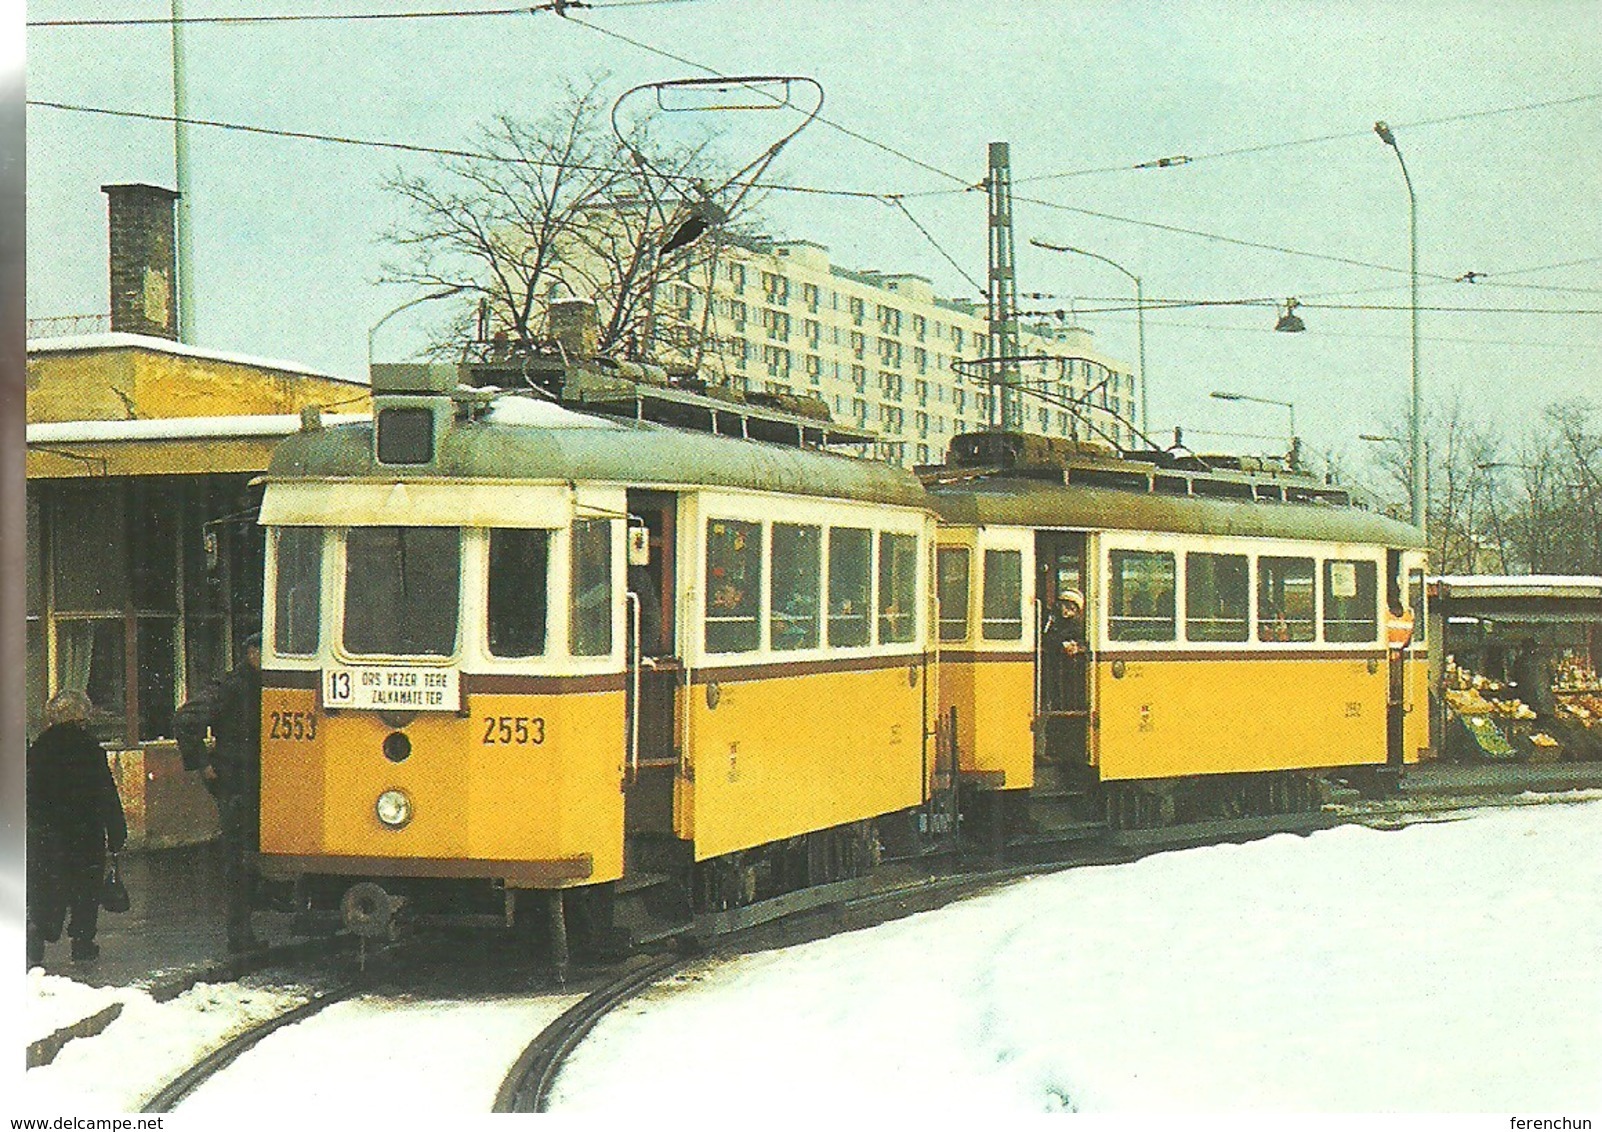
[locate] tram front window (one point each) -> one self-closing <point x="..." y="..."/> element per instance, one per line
<point x="401" y="590"/>
<point x="518" y="565"/>
<point x="299" y="584"/>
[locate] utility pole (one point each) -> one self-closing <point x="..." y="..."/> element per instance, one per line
<point x="180" y="156"/>
<point x="1005" y="412"/>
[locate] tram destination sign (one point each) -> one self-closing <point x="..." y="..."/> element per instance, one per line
<point x="380" y="687"/>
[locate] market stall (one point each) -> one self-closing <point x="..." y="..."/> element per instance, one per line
<point x="1517" y="673"/>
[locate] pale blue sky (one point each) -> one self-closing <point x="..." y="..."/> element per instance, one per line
<point x="288" y="254"/>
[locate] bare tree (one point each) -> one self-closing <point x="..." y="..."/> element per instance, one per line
<point x="560" y="207"/>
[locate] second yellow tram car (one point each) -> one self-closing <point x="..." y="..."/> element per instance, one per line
<point x="1172" y="639"/>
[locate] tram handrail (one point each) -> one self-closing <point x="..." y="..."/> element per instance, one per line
<point x="633" y="600"/>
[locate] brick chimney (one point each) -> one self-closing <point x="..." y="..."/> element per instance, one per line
<point x="144" y="272"/>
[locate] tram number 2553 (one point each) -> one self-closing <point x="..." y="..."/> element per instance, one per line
<point x="514" y="730"/>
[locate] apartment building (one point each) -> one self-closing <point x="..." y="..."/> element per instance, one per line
<point x="881" y="350"/>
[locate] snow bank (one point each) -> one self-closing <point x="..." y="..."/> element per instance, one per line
<point x="1446" y="967"/>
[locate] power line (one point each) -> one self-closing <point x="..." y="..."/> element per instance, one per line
<point x="1181" y="304"/>
<point x="415" y="147"/>
<point x="284" y="18"/>
<point x="332" y="17"/>
<point x="899" y="204"/>
<point x="1241" y="151"/>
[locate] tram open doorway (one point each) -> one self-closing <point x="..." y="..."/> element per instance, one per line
<point x="1062" y="662"/>
<point x="655" y="669"/>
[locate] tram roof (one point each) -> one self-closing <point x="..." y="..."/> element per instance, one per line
<point x="1013" y="501"/>
<point x="556" y="449"/>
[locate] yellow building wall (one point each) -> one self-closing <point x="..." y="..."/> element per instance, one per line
<point x="139" y="383"/>
<point x="786" y="755"/>
<point x="472" y="801"/>
<point x="995" y="703"/>
<point x="1167" y="718"/>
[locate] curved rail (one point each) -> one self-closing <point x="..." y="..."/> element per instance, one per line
<point x="527" y="1087"/>
<point x="175" y="1091"/>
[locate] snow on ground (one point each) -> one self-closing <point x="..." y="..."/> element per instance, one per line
<point x="444" y="1058"/>
<point x="147" y="1045"/>
<point x="1454" y="966"/>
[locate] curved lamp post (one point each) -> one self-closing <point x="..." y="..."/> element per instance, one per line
<point x="1140" y="311"/>
<point x="1294" y="444"/>
<point x="1416" y="425"/>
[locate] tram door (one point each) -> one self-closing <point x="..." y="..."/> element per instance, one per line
<point x="652" y="559"/>
<point x="1063" y="658"/>
<point x="1396" y="662"/>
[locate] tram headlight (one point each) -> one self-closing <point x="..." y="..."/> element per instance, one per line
<point x="393" y="808"/>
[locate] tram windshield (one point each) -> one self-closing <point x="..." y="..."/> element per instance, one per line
<point x="402" y="586"/>
<point x="298" y="570"/>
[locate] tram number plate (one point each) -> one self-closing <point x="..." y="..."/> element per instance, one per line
<point x="392" y="688"/>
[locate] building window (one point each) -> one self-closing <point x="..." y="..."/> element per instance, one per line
<point x="920" y="421"/>
<point x="920" y="327"/>
<point x="809" y="295"/>
<point x="814" y="368"/>
<point x="737" y="313"/>
<point x="737" y="277"/>
<point x="1141" y="595"/>
<point x="859" y="378"/>
<point x="856" y="313"/>
<point x="1217" y="592"/>
<point x="813" y="331"/>
<point x="733" y="585"/>
<point x="775" y="288"/>
<point x="920" y="359"/>
<point x="889" y="320"/>
<point x="859" y="344"/>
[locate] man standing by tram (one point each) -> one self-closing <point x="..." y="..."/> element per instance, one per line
<point x="232" y="773"/>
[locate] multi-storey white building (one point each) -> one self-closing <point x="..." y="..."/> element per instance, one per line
<point x="880" y="350"/>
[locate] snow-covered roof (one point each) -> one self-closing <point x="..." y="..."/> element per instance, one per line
<point x="520" y="410"/>
<point x="123" y="341"/>
<point x="1532" y="584"/>
<point x="178" y="428"/>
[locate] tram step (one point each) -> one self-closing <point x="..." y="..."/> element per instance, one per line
<point x="638" y="881"/>
<point x="1059" y="834"/>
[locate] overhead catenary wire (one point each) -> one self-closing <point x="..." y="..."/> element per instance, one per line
<point x="336" y="17"/>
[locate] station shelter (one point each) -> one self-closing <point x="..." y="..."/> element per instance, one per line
<point x="144" y="560"/>
<point x="1517" y="675"/>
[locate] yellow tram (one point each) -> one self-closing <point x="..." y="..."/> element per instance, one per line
<point x="1177" y="637"/>
<point x="510" y="647"/>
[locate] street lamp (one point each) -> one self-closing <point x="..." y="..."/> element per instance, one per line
<point x="1140" y="311"/>
<point x="1416" y="425"/>
<point x="1294" y="443"/>
<point x="407" y="305"/>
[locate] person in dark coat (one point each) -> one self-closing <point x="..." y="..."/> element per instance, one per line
<point x="234" y="777"/>
<point x="74" y="817"/>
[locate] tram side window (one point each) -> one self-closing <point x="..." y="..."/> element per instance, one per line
<point x="951" y="569"/>
<point x="850" y="579"/>
<point x="402" y="589"/>
<point x="1351" y="601"/>
<point x="797" y="582"/>
<point x="1285" y="606"/>
<point x="733" y="586"/>
<point x="1002" y="618"/>
<point x="590" y="603"/>
<point x="898" y="588"/>
<point x="519" y="564"/>
<point x="297" y="602"/>
<point x="1140" y="588"/>
<point x="1415" y="602"/>
<point x="1217" y="592"/>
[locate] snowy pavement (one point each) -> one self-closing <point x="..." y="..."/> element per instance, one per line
<point x="1448" y="967"/>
